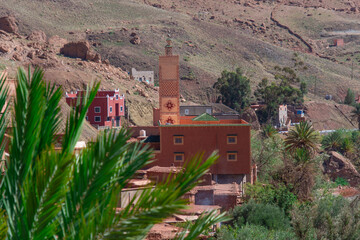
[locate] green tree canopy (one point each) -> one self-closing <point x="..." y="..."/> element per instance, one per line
<point x="234" y="89"/>
<point x="350" y="97"/>
<point x="273" y="95"/>
<point x="303" y="87"/>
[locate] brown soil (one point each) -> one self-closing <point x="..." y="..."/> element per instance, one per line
<point x="329" y="116"/>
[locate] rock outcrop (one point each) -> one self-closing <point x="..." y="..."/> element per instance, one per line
<point x="135" y="39"/>
<point x="8" y="24"/>
<point x="249" y="115"/>
<point x="81" y="49"/>
<point x="339" y="166"/>
<point x="57" y="42"/>
<point x="37" y="36"/>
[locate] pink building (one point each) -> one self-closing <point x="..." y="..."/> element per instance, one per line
<point x="339" y="42"/>
<point x="106" y="109"/>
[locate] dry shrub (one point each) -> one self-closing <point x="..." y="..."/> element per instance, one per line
<point x="299" y="178"/>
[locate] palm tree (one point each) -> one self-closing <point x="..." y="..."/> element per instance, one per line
<point x="355" y="114"/>
<point x="301" y="143"/>
<point x="49" y="194"/>
<point x="269" y="131"/>
<point x="303" y="137"/>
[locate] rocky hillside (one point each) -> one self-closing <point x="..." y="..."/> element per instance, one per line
<point x="77" y="66"/>
<point x="210" y="36"/>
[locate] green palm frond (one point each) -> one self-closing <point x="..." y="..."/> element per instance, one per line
<point x="304" y="136"/>
<point x="3" y="224"/>
<point x="29" y="110"/>
<point x="50" y="123"/>
<point x="156" y="204"/>
<point x="43" y="203"/>
<point x="3" y="122"/>
<point x="76" y="119"/>
<point x="101" y="171"/>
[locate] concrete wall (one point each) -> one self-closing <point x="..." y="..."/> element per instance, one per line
<point x="127" y="195"/>
<point x="200" y="138"/>
<point x="143" y="76"/>
<point x="226" y="201"/>
<point x="195" y="110"/>
<point x="282" y="115"/>
<point x="228" y="178"/>
<point x="150" y="130"/>
<point x="160" y="177"/>
<point x="204" y="197"/>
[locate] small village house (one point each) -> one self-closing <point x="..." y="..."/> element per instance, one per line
<point x="105" y="111"/>
<point x="143" y="76"/>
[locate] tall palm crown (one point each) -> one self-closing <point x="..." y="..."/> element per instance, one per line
<point x="49" y="194"/>
<point x="302" y="137"/>
<point x="355" y="114"/>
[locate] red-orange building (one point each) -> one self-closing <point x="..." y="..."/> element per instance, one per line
<point x="339" y="42"/>
<point x="177" y="138"/>
<point x="106" y="109"/>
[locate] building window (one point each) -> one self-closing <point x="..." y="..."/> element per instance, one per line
<point x="97" y="109"/>
<point x="178" y="140"/>
<point x="121" y="109"/>
<point x="179" y="157"/>
<point x="97" y="119"/>
<point x="186" y="111"/>
<point x="117" y="97"/>
<point x="108" y="118"/>
<point x="232" y="156"/>
<point x="231" y="139"/>
<point x="111" y="109"/>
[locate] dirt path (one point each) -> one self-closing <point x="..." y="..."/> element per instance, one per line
<point x="272" y="18"/>
<point x="344" y="115"/>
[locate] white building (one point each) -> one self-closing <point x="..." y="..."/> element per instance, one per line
<point x="143" y="76"/>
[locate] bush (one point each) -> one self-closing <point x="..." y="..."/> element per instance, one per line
<point x="254" y="232"/>
<point x="327" y="217"/>
<point x="266" y="154"/>
<point x="270" y="216"/>
<point x="269" y="194"/>
<point x="350" y="97"/>
<point x="341" y="181"/>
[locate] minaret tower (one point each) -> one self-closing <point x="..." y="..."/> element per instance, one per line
<point x="169" y="86"/>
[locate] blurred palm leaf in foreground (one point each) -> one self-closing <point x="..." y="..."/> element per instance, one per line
<point x="52" y="194"/>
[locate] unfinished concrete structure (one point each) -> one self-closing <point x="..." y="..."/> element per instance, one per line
<point x="143" y="76"/>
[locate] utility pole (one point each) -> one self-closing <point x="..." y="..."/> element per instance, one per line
<point x="352" y="69"/>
